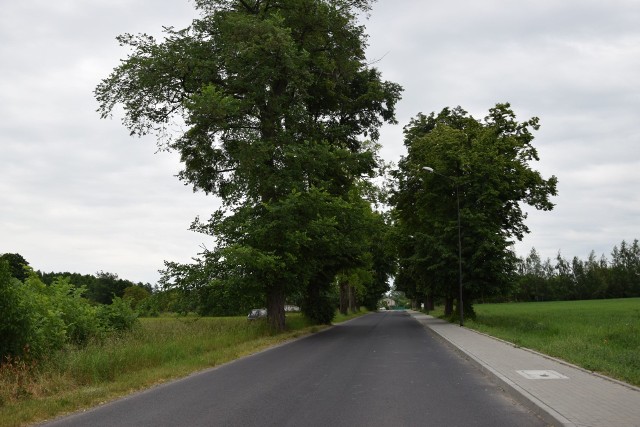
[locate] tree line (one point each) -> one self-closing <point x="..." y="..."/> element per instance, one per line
<point x="99" y="288"/>
<point x="577" y="279"/>
<point x="457" y="201"/>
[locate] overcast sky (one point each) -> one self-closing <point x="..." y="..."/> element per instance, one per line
<point x="78" y="194"/>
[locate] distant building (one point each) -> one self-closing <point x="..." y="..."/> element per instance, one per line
<point x="388" y="302"/>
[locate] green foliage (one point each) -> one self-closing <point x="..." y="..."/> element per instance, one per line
<point x="149" y="307"/>
<point x="100" y="288"/>
<point x="39" y="319"/>
<point x="117" y="316"/>
<point x="16" y="322"/>
<point x="383" y="262"/>
<point x="400" y="299"/>
<point x="59" y="315"/>
<point x="276" y="98"/>
<point x="136" y="295"/>
<point x="106" y="287"/>
<point x="17" y="265"/>
<point x="578" y="279"/>
<point x="482" y="178"/>
<point x="320" y="301"/>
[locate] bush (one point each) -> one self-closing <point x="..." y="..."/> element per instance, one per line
<point x="59" y="314"/>
<point x="149" y="307"/>
<point x="16" y="322"/>
<point x="38" y="319"/>
<point x="78" y="314"/>
<point x="136" y="295"/>
<point x="118" y="316"/>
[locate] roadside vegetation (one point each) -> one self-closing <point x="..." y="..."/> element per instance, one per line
<point x="598" y="335"/>
<point x="281" y="112"/>
<point x="155" y="351"/>
<point x="61" y="350"/>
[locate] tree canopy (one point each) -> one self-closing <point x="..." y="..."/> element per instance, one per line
<point x="277" y="101"/>
<point x="17" y="265"/>
<point x="486" y="163"/>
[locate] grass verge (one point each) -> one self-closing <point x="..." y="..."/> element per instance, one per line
<point x="159" y="350"/>
<point x="598" y="335"/>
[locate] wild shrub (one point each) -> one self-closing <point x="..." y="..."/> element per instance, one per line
<point x="16" y="322"/>
<point x="59" y="315"/>
<point x="44" y="318"/>
<point x="117" y="317"/>
<point x="149" y="307"/>
<point x="79" y="316"/>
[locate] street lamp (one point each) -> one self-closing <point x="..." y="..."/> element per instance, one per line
<point x="430" y="170"/>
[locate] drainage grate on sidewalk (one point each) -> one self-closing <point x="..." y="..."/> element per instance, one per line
<point x="542" y="375"/>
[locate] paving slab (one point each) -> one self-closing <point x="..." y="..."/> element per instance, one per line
<point x="564" y="394"/>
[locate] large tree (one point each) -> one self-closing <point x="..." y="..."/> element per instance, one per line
<point x="485" y="164"/>
<point x="276" y="99"/>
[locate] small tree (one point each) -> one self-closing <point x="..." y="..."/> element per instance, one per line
<point x="135" y="295"/>
<point x="16" y="321"/>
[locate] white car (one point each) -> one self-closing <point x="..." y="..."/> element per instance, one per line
<point x="257" y="313"/>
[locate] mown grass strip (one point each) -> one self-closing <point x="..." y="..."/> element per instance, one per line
<point x="599" y="335"/>
<point x="159" y="350"/>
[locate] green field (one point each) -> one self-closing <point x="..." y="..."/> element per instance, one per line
<point x="160" y="349"/>
<point x="600" y="335"/>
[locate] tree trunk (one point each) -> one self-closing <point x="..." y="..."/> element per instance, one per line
<point x="429" y="303"/>
<point x="275" y="308"/>
<point x="344" y="297"/>
<point x="448" y="306"/>
<point x="352" y="300"/>
<point x="318" y="305"/>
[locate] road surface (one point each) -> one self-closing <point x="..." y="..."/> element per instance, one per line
<point x="382" y="369"/>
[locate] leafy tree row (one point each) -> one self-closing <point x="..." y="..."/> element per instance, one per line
<point x="279" y="115"/>
<point x="101" y="288"/>
<point x="593" y="278"/>
<point x="277" y="101"/>
<point x="457" y="201"/>
<point x="208" y="287"/>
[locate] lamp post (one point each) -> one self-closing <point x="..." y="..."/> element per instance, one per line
<point x="430" y="170"/>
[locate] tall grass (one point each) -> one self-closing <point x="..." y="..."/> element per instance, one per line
<point x="158" y="350"/>
<point x="598" y="335"/>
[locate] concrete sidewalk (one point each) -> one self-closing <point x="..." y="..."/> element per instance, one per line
<point x="563" y="394"/>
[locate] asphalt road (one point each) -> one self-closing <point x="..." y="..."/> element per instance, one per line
<point x="382" y="369"/>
